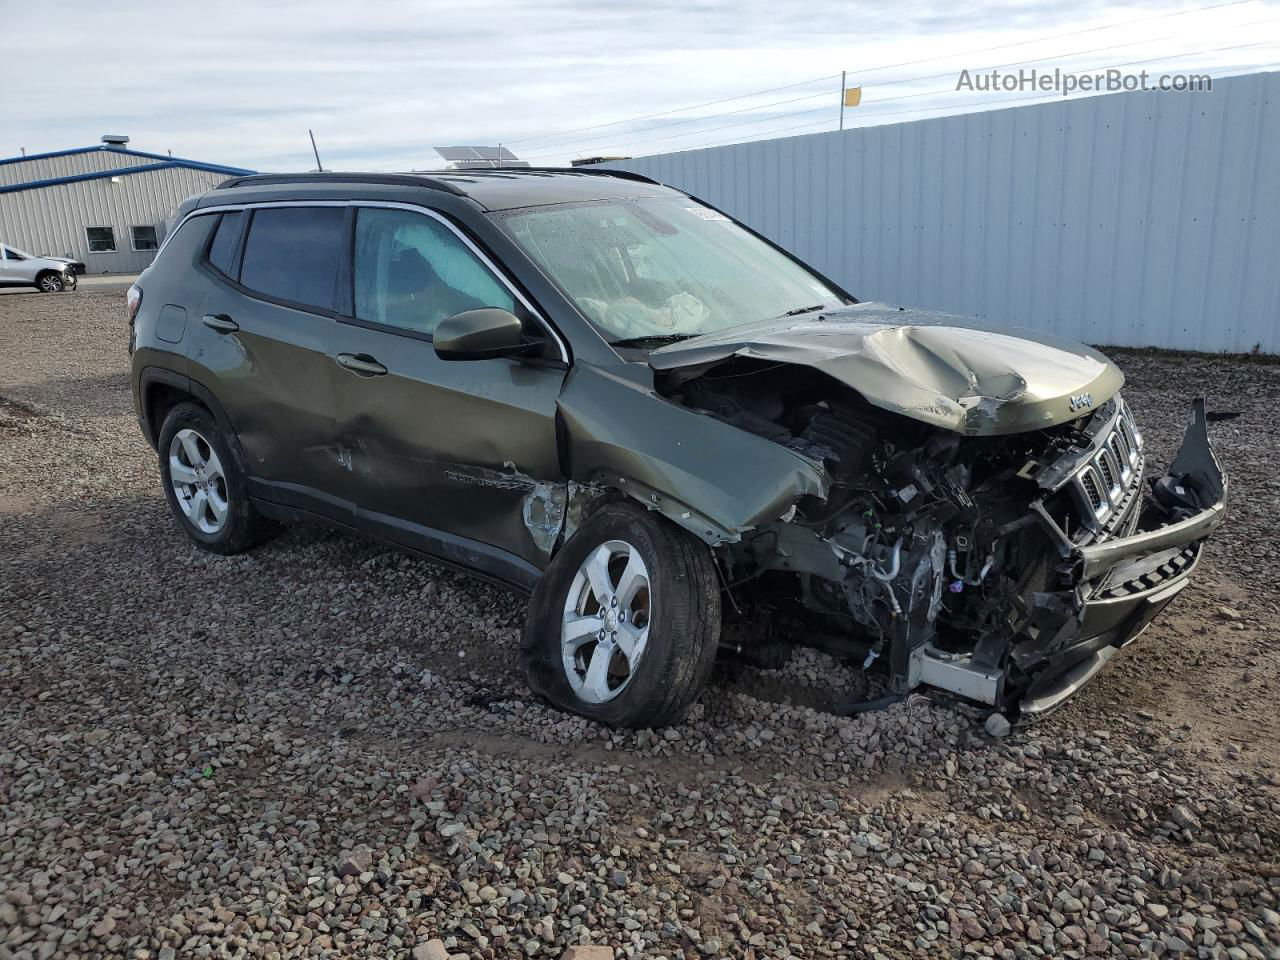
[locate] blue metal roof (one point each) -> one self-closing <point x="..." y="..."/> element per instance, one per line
<point x="163" y="163"/>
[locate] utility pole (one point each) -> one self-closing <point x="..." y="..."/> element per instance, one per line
<point x="319" y="167"/>
<point x="842" y="81"/>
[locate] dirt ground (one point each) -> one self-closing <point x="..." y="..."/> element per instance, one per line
<point x="324" y="748"/>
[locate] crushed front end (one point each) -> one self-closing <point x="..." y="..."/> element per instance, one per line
<point x="1006" y="569"/>
<point x="1132" y="555"/>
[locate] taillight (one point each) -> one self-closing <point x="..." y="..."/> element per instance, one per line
<point x="134" y="300"/>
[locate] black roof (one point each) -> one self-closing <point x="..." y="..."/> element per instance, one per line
<point x="496" y="189"/>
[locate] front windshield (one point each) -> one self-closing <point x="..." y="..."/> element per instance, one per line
<point x="663" y="268"/>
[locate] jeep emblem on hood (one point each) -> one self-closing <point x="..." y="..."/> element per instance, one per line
<point x="1081" y="401"/>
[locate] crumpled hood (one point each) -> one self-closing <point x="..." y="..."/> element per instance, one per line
<point x="944" y="370"/>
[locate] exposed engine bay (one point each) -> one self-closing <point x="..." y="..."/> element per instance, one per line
<point x="954" y="560"/>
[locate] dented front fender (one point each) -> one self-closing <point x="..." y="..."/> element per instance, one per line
<point x="711" y="478"/>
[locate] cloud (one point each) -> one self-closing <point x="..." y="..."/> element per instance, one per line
<point x="382" y="82"/>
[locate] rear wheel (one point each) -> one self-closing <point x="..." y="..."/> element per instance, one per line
<point x="205" y="489"/>
<point x="623" y="627"/>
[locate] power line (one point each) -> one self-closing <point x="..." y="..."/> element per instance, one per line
<point x="696" y="106"/>
<point x="727" y="113"/>
<point x="1063" y="56"/>
<point x="995" y="104"/>
<point x="689" y="133"/>
<point x="694" y="133"/>
<point x="1130" y="63"/>
<point x="1017" y="43"/>
<point x="1063" y="36"/>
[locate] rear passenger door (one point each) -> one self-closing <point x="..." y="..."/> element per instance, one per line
<point x="455" y="457"/>
<point x="262" y="347"/>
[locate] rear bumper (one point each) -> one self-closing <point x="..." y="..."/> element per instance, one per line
<point x="1123" y="583"/>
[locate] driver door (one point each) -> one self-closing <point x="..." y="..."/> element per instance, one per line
<point x="451" y="457"/>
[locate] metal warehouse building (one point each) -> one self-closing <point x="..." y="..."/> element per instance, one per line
<point x="106" y="206"/>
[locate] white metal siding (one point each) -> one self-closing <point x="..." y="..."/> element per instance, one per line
<point x="52" y="220"/>
<point x="1139" y="219"/>
<point x="70" y="165"/>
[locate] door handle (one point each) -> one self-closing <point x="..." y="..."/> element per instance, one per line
<point x="220" y="322"/>
<point x="361" y="363"/>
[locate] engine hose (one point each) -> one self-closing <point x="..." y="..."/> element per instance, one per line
<point x="894" y="564"/>
<point x="850" y="707"/>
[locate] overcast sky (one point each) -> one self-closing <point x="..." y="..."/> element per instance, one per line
<point x="381" y="83"/>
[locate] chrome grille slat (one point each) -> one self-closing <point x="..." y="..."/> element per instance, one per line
<point x="1110" y="472"/>
<point x="1121" y="454"/>
<point x="1106" y="483"/>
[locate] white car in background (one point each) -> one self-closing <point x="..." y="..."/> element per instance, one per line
<point x="47" y="274"/>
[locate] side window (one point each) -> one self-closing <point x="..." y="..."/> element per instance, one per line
<point x="10" y="255"/>
<point x="293" y="253"/>
<point x="144" y="238"/>
<point x="222" y="249"/>
<point x="101" y="239"/>
<point x="412" y="271"/>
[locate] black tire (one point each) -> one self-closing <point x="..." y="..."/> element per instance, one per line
<point x="50" y="282"/>
<point x="243" y="527"/>
<point x="684" y="629"/>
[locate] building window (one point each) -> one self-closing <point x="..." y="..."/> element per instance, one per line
<point x="101" y="239"/>
<point x="144" y="238"/>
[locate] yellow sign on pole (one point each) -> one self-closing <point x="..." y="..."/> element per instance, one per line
<point x="852" y="96"/>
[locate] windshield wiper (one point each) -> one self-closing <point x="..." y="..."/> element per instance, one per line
<point x="799" y="310"/>
<point x="655" y="340"/>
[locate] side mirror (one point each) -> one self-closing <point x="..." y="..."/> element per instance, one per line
<point x="480" y="335"/>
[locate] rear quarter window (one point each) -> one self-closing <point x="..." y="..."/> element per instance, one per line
<point x="294" y="254"/>
<point x="222" y="249"/>
<point x="185" y="247"/>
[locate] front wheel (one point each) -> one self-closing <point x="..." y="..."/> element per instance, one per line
<point x="623" y="627"/>
<point x="51" y="283"/>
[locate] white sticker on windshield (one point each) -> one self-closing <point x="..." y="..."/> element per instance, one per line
<point x="706" y="213"/>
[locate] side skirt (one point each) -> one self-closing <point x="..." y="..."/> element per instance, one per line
<point x="479" y="560"/>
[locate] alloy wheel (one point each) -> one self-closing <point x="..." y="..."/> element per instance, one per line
<point x="51" y="283"/>
<point x="199" y="484"/>
<point x="605" y="628"/>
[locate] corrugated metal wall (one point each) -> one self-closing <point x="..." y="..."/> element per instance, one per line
<point x="68" y="165"/>
<point x="52" y="220"/>
<point x="1140" y="219"/>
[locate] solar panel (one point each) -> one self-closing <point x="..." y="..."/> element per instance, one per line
<point x="479" y="156"/>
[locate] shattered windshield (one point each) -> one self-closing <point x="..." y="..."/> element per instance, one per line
<point x="658" y="270"/>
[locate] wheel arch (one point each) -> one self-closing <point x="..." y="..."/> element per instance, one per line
<point x="160" y="390"/>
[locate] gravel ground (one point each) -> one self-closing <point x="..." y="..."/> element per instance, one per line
<point x="322" y="748"/>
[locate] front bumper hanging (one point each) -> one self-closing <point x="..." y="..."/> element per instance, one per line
<point x="1124" y="583"/>
<point x="1122" y="580"/>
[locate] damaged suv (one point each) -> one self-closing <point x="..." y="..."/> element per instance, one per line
<point x="673" y="434"/>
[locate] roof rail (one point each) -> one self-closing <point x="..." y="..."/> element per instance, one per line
<point x="399" y="179"/>
<point x="445" y="180"/>
<point x="567" y="171"/>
